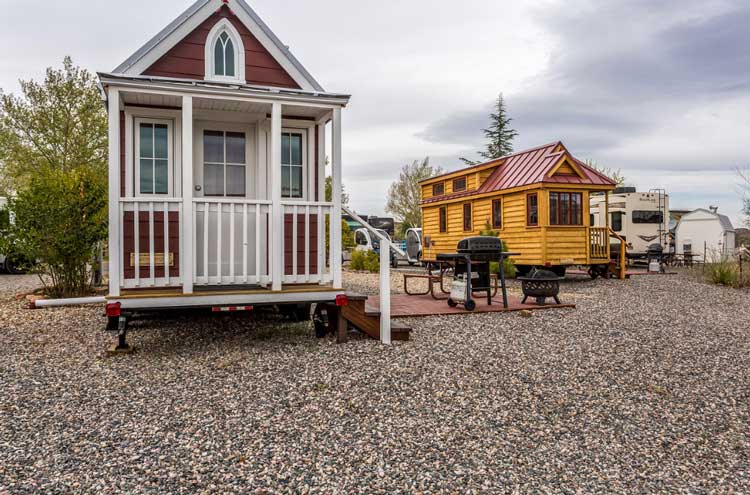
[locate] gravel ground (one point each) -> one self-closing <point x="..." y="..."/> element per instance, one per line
<point x="645" y="388"/>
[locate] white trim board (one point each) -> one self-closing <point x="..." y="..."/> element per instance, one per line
<point x="226" y="300"/>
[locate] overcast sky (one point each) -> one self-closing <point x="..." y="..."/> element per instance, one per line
<point x="658" y="89"/>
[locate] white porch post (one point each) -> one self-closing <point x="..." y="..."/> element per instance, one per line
<point x="321" y="127"/>
<point x="385" y="291"/>
<point x="277" y="217"/>
<point x="187" y="263"/>
<point x="114" y="192"/>
<point x="337" y="189"/>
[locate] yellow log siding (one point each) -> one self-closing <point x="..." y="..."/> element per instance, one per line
<point x="537" y="245"/>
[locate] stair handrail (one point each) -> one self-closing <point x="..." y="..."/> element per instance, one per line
<point x="623" y="253"/>
<point x="385" y="276"/>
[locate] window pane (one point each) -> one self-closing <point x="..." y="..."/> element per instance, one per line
<point x="161" y="177"/>
<point x="565" y="209"/>
<point x="147" y="176"/>
<point x="296" y="140"/>
<point x="235" y="147"/>
<point x="213" y="180"/>
<point x="296" y="182"/>
<point x="219" y="59"/>
<point x="235" y="180"/>
<point x="161" y="141"/>
<point x="285" y="149"/>
<point x="497" y="214"/>
<point x="577" y="208"/>
<point x="554" y="219"/>
<point x="229" y="60"/>
<point x="213" y="146"/>
<point x="147" y="141"/>
<point x="285" y="181"/>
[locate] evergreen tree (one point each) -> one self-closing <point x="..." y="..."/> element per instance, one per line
<point x="500" y="135"/>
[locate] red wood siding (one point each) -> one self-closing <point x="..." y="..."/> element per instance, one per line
<point x="289" y="247"/>
<point x="144" y="247"/>
<point x="187" y="59"/>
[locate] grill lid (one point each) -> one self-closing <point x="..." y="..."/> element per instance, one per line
<point x="480" y="244"/>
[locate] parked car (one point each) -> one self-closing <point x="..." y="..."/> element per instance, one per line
<point x="366" y="241"/>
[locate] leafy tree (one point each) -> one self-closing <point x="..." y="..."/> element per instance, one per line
<point x="745" y="191"/>
<point x="329" y="192"/>
<point x="53" y="150"/>
<point x="405" y="194"/>
<point x="59" y="219"/>
<point x="59" y="124"/>
<point x="499" y="134"/>
<point x="616" y="175"/>
<point x="347" y="236"/>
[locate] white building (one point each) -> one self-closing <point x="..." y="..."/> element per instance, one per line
<point x="705" y="231"/>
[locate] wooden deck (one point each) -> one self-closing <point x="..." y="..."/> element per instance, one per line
<point x="225" y="290"/>
<point x="404" y="306"/>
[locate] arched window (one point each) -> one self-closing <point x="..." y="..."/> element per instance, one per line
<point x="225" y="53"/>
<point x="224" y="56"/>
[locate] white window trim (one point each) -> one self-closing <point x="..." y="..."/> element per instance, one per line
<point x="305" y="161"/>
<point x="222" y="26"/>
<point x="137" y="157"/>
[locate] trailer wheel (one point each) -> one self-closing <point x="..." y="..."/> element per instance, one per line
<point x="12" y="267"/>
<point x="593" y="273"/>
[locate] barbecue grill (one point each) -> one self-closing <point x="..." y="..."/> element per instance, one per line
<point x="472" y="265"/>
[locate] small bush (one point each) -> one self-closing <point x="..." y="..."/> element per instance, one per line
<point x="365" y="261"/>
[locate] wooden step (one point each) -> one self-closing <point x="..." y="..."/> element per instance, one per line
<point x="367" y="319"/>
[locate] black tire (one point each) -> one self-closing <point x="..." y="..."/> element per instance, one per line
<point x="558" y="270"/>
<point x="470" y="305"/>
<point x="12" y="267"/>
<point x="593" y="273"/>
<point x="394" y="262"/>
<point x="113" y="323"/>
<point x="452" y="303"/>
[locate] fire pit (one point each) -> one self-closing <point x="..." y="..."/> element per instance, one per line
<point x="541" y="284"/>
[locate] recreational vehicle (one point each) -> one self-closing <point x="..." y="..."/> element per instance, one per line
<point x="642" y="219"/>
<point x="217" y="154"/>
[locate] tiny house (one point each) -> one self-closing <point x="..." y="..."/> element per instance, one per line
<point x="535" y="198"/>
<point x="217" y="168"/>
<point x="705" y="231"/>
<point x="641" y="218"/>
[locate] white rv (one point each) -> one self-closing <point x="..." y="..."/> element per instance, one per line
<point x="641" y="218"/>
<point x="705" y="231"/>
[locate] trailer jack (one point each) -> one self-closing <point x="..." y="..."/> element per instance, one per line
<point x="122" y="346"/>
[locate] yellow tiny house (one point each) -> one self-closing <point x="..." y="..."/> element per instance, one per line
<point x="534" y="198"/>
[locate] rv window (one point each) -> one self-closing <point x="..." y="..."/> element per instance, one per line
<point x="497" y="214"/>
<point x="438" y="189"/>
<point x="467" y="217"/>
<point x="617" y="221"/>
<point x="656" y="217"/>
<point x="532" y="210"/>
<point x="443" y="219"/>
<point x="459" y="185"/>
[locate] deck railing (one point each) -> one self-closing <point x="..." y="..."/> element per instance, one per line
<point x="231" y="241"/>
<point x="151" y="240"/>
<point x="305" y="254"/>
<point x="599" y="243"/>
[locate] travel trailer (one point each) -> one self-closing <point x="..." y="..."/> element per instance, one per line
<point x="535" y="198"/>
<point x="705" y="231"/>
<point x="642" y="219"/>
<point x="217" y="168"/>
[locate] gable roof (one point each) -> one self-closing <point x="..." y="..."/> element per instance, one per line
<point x="198" y="13"/>
<point x="532" y="166"/>
<point x="726" y="223"/>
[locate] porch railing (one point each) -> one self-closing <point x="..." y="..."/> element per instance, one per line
<point x="151" y="240"/>
<point x="306" y="254"/>
<point x="231" y="241"/>
<point x="599" y="243"/>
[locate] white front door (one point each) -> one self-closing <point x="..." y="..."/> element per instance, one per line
<point x="225" y="178"/>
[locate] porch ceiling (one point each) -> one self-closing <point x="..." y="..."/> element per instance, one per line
<point x="151" y="100"/>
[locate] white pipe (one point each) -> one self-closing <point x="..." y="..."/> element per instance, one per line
<point x="54" y="303"/>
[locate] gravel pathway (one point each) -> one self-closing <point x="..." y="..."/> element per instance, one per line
<point x="645" y="388"/>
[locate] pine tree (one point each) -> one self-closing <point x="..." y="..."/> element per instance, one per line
<point x="499" y="134"/>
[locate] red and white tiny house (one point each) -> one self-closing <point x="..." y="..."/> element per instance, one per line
<point x="217" y="156"/>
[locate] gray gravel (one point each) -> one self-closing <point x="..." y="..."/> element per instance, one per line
<point x="645" y="388"/>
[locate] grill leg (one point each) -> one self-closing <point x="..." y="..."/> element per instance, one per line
<point x="502" y="283"/>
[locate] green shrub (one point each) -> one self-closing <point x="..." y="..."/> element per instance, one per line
<point x="60" y="217"/>
<point x="365" y="261"/>
<point x="723" y="272"/>
<point x="508" y="265"/>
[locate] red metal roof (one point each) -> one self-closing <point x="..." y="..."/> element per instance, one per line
<point x="533" y="166"/>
